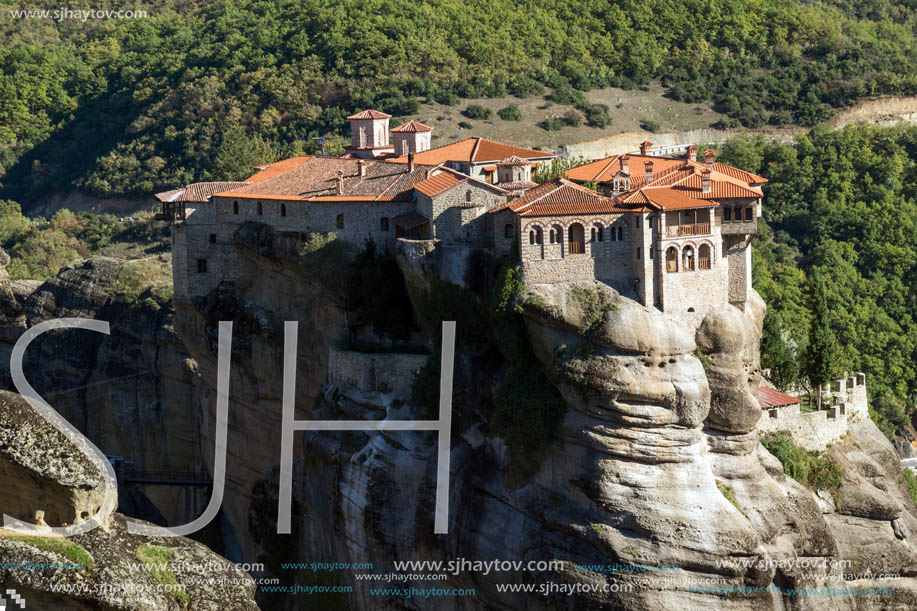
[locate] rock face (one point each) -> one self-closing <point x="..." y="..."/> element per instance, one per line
<point x="135" y="393"/>
<point x="657" y="461"/>
<point x="45" y="479"/>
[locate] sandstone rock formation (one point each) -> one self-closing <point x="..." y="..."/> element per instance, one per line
<point x="657" y="460"/>
<point x="44" y="479"/>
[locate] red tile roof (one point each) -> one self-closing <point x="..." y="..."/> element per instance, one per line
<point x="676" y="182"/>
<point x="473" y="150"/>
<point x="412" y="127"/>
<point x="768" y="397"/>
<point x="562" y="197"/>
<point x="515" y="160"/>
<point x="370" y="114"/>
<point x="273" y="169"/>
<point x="437" y="184"/>
<point x="198" y="192"/>
<point x="316" y="179"/>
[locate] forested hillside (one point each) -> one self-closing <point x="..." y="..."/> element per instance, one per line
<point x="198" y="91"/>
<point x="842" y="205"/>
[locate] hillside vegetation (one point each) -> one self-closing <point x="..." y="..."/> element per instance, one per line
<point x="842" y="206"/>
<point x="205" y="91"/>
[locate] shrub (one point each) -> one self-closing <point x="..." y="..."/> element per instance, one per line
<point x="552" y="124"/>
<point x="573" y="118"/>
<point x="816" y="470"/>
<point x="476" y="111"/>
<point x="596" y="115"/>
<point x="650" y="125"/>
<point x="138" y="276"/>
<point x="510" y="113"/>
<point x="465" y="125"/>
<point x="567" y="95"/>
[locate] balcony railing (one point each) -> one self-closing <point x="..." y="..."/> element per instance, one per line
<point x="576" y="248"/>
<point x="677" y="231"/>
<point x="671" y="266"/>
<point x="703" y="263"/>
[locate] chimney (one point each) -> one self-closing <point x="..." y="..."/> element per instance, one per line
<point x="625" y="164"/>
<point x="705" y="181"/>
<point x="648" y="166"/>
<point x="691" y="152"/>
<point x="340" y="182"/>
<point x="709" y="156"/>
<point x="361" y="165"/>
<point x="645" y="147"/>
<point x="411" y="162"/>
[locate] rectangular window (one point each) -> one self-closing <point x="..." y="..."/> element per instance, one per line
<point x="202" y="266"/>
<point x="639" y="251"/>
<point x="651" y="252"/>
<point x="749" y="215"/>
<point x="213" y="238"/>
<point x="727" y="214"/>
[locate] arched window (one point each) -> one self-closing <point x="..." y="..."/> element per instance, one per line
<point x="235" y="207"/>
<point x="260" y="209"/>
<point x="557" y="234"/>
<point x="508" y="231"/>
<point x="384" y="223"/>
<point x="468" y="195"/>
<point x="536" y="236"/>
<point x="576" y="239"/>
<point x="340" y="221"/>
<point x="671" y="259"/>
<point x="703" y="257"/>
<point x="283" y="209"/>
<point x="620" y="234"/>
<point x="598" y="233"/>
<point x="687" y="256"/>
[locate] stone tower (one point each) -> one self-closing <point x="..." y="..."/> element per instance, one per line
<point x="369" y="134"/>
<point x="412" y="137"/>
<point x="514" y="169"/>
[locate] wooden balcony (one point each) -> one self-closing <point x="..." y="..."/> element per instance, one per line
<point x="671" y="266"/>
<point x="703" y="263"/>
<point x="576" y="248"/>
<point x="677" y="231"/>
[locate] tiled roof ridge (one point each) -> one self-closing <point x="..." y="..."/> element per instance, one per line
<point x="412" y="126"/>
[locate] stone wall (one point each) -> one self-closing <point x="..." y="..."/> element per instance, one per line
<point x="844" y="404"/>
<point x="460" y="214"/>
<point x="609" y="260"/>
<point x="388" y="373"/>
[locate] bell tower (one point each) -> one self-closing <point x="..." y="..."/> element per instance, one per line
<point x="412" y="137"/>
<point x="369" y="134"/>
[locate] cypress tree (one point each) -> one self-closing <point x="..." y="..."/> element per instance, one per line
<point x="821" y="353"/>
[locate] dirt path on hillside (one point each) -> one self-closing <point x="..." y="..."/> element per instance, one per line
<point x="880" y="111"/>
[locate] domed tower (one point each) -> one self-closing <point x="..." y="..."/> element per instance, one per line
<point x="369" y="134"/>
<point x="412" y="137"/>
<point x="514" y="169"/>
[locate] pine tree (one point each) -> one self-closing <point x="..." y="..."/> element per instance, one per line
<point x="821" y="353"/>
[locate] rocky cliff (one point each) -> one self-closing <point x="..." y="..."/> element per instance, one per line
<point x="46" y="481"/>
<point x="657" y="460"/>
<point x="135" y="392"/>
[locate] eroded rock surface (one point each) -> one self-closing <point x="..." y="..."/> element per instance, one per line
<point x="45" y="480"/>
